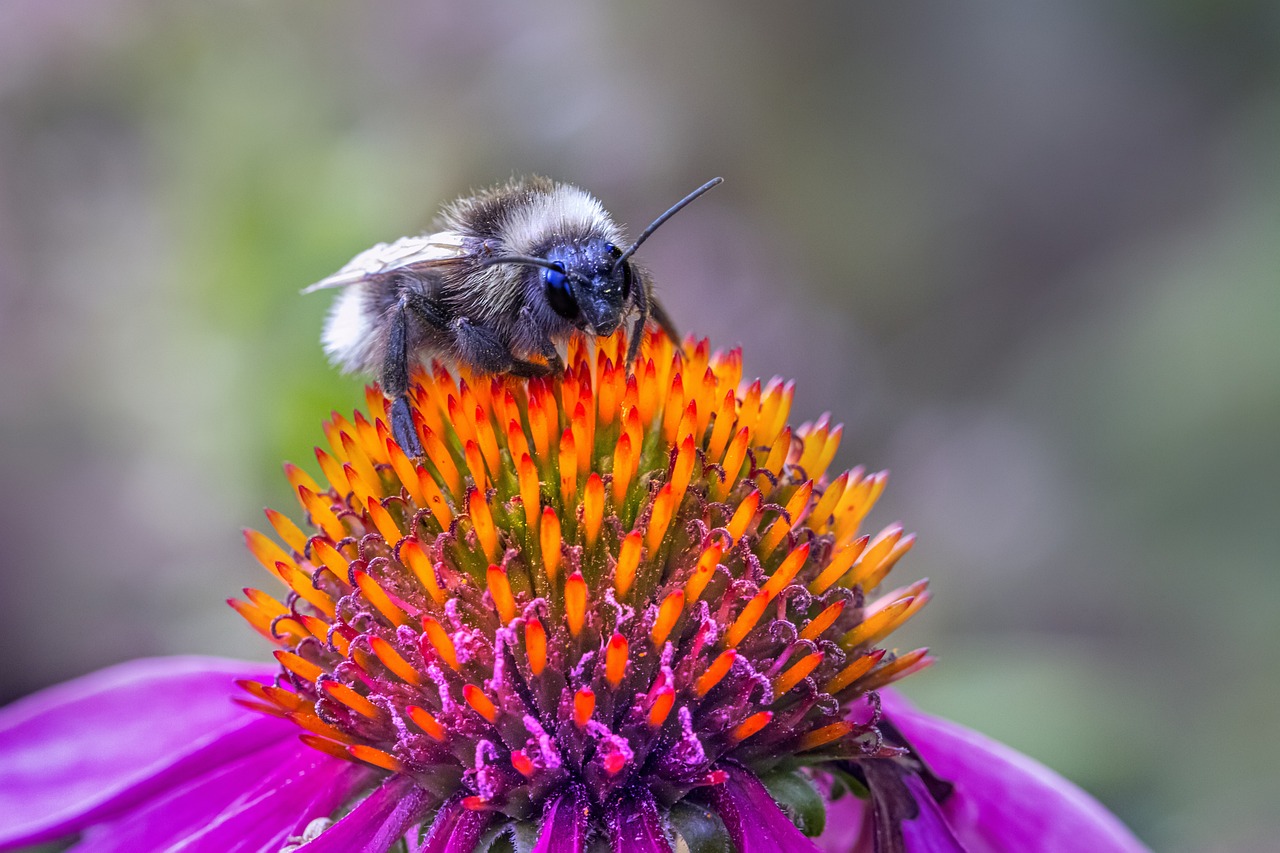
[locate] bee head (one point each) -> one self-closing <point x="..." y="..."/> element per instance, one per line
<point x="585" y="285"/>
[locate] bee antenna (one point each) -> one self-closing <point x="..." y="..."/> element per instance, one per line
<point x="526" y="260"/>
<point x="675" y="208"/>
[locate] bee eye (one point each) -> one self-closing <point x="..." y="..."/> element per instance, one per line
<point x="559" y="295"/>
<point x="613" y="250"/>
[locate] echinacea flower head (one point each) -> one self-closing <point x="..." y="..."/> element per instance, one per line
<point x="620" y="608"/>
<point x="611" y="605"/>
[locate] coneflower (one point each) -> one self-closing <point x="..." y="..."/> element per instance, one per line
<point x="625" y="609"/>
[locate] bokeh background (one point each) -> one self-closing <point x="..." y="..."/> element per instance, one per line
<point x="1029" y="254"/>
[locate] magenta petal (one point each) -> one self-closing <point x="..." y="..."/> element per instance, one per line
<point x="635" y="826"/>
<point x="565" y="823"/>
<point x="456" y="829"/>
<point x="85" y="750"/>
<point x="250" y="804"/>
<point x="1003" y="800"/>
<point x="754" y="821"/>
<point x="380" y="820"/>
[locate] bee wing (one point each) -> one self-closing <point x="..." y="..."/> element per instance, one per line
<point x="425" y="250"/>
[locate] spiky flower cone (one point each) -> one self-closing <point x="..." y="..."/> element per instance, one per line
<point x="601" y="603"/>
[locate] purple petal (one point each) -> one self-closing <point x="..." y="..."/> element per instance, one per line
<point x="906" y="819"/>
<point x="380" y="820"/>
<point x="565" y="823"/>
<point x="635" y="827"/>
<point x="251" y="804"/>
<point x="456" y="829"/>
<point x="754" y="821"/>
<point x="1005" y="801"/>
<point x="84" y="751"/>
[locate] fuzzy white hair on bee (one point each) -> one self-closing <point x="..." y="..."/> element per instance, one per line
<point x="509" y="275"/>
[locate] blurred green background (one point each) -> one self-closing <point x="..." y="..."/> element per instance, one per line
<point x="1029" y="254"/>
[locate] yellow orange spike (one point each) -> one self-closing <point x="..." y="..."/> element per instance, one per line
<point x="869" y="575"/>
<point x="774" y="461"/>
<point x="820" y="517"/>
<point x="487" y="441"/>
<point x="750" y="726"/>
<point x="798" y="672"/>
<point x="747" y="619"/>
<point x="615" y="660"/>
<point x="662" y="705"/>
<point x="856" y="503"/>
<point x="841" y="560"/>
<point x="540" y="423"/>
<point x="583" y="426"/>
<point x="851" y="673"/>
<point x="517" y="441"/>
<point x="628" y="560"/>
<point x="824" y="735"/>
<point x="335" y="750"/>
<point x="406" y="473"/>
<point x="317" y="627"/>
<point x="441" y="641"/>
<point x="361" y="491"/>
<point x="476" y="465"/>
<point x="775" y="406"/>
<point x="383" y="521"/>
<point x="728" y="367"/>
<point x="264" y="602"/>
<point x="307" y="719"/>
<point x="482" y="522"/>
<point x="878" y="624"/>
<point x="266" y="552"/>
<point x="910" y="663"/>
<point x="321" y="515"/>
<point x="683" y="469"/>
<point x="297" y="477"/>
<point x="814" y="439"/>
<point x="624" y="462"/>
<point x="584" y="705"/>
<point x="480" y="703"/>
<point x="549" y="539"/>
<point x="376" y="757"/>
<point x="460" y="418"/>
<point x="287" y="531"/>
<point x="423" y="720"/>
<point x="351" y="699"/>
<point x="256" y="617"/>
<point x="535" y="645"/>
<point x="394" y="661"/>
<point x="663" y="507"/>
<point x="734" y="456"/>
<point x="822" y="621"/>
<point x="332" y="470"/>
<point x="781" y="527"/>
<point x="435" y="499"/>
<point x="416" y="559"/>
<point x="359" y="460"/>
<point x="436" y="451"/>
<point x="723" y="428"/>
<point x="786" y="572"/>
<point x="301" y="583"/>
<point x="668" y="615"/>
<point x="718" y="669"/>
<point x="568" y="469"/>
<point x="647" y="383"/>
<point x="740" y="523"/>
<point x="702" y="572"/>
<point x="575" y="602"/>
<point x="673" y="410"/>
<point x="500" y="591"/>
<point x="324" y="554"/>
<point x="377" y="596"/>
<point x="304" y="669"/>
<point x="592" y="510"/>
<point x="529" y="494"/>
<point x="522" y="763"/>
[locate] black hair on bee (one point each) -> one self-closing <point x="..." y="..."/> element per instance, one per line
<point x="510" y="272"/>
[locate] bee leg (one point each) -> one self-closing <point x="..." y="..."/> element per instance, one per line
<point x="395" y="384"/>
<point x="546" y="348"/>
<point x="482" y="348"/>
<point x="663" y="319"/>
